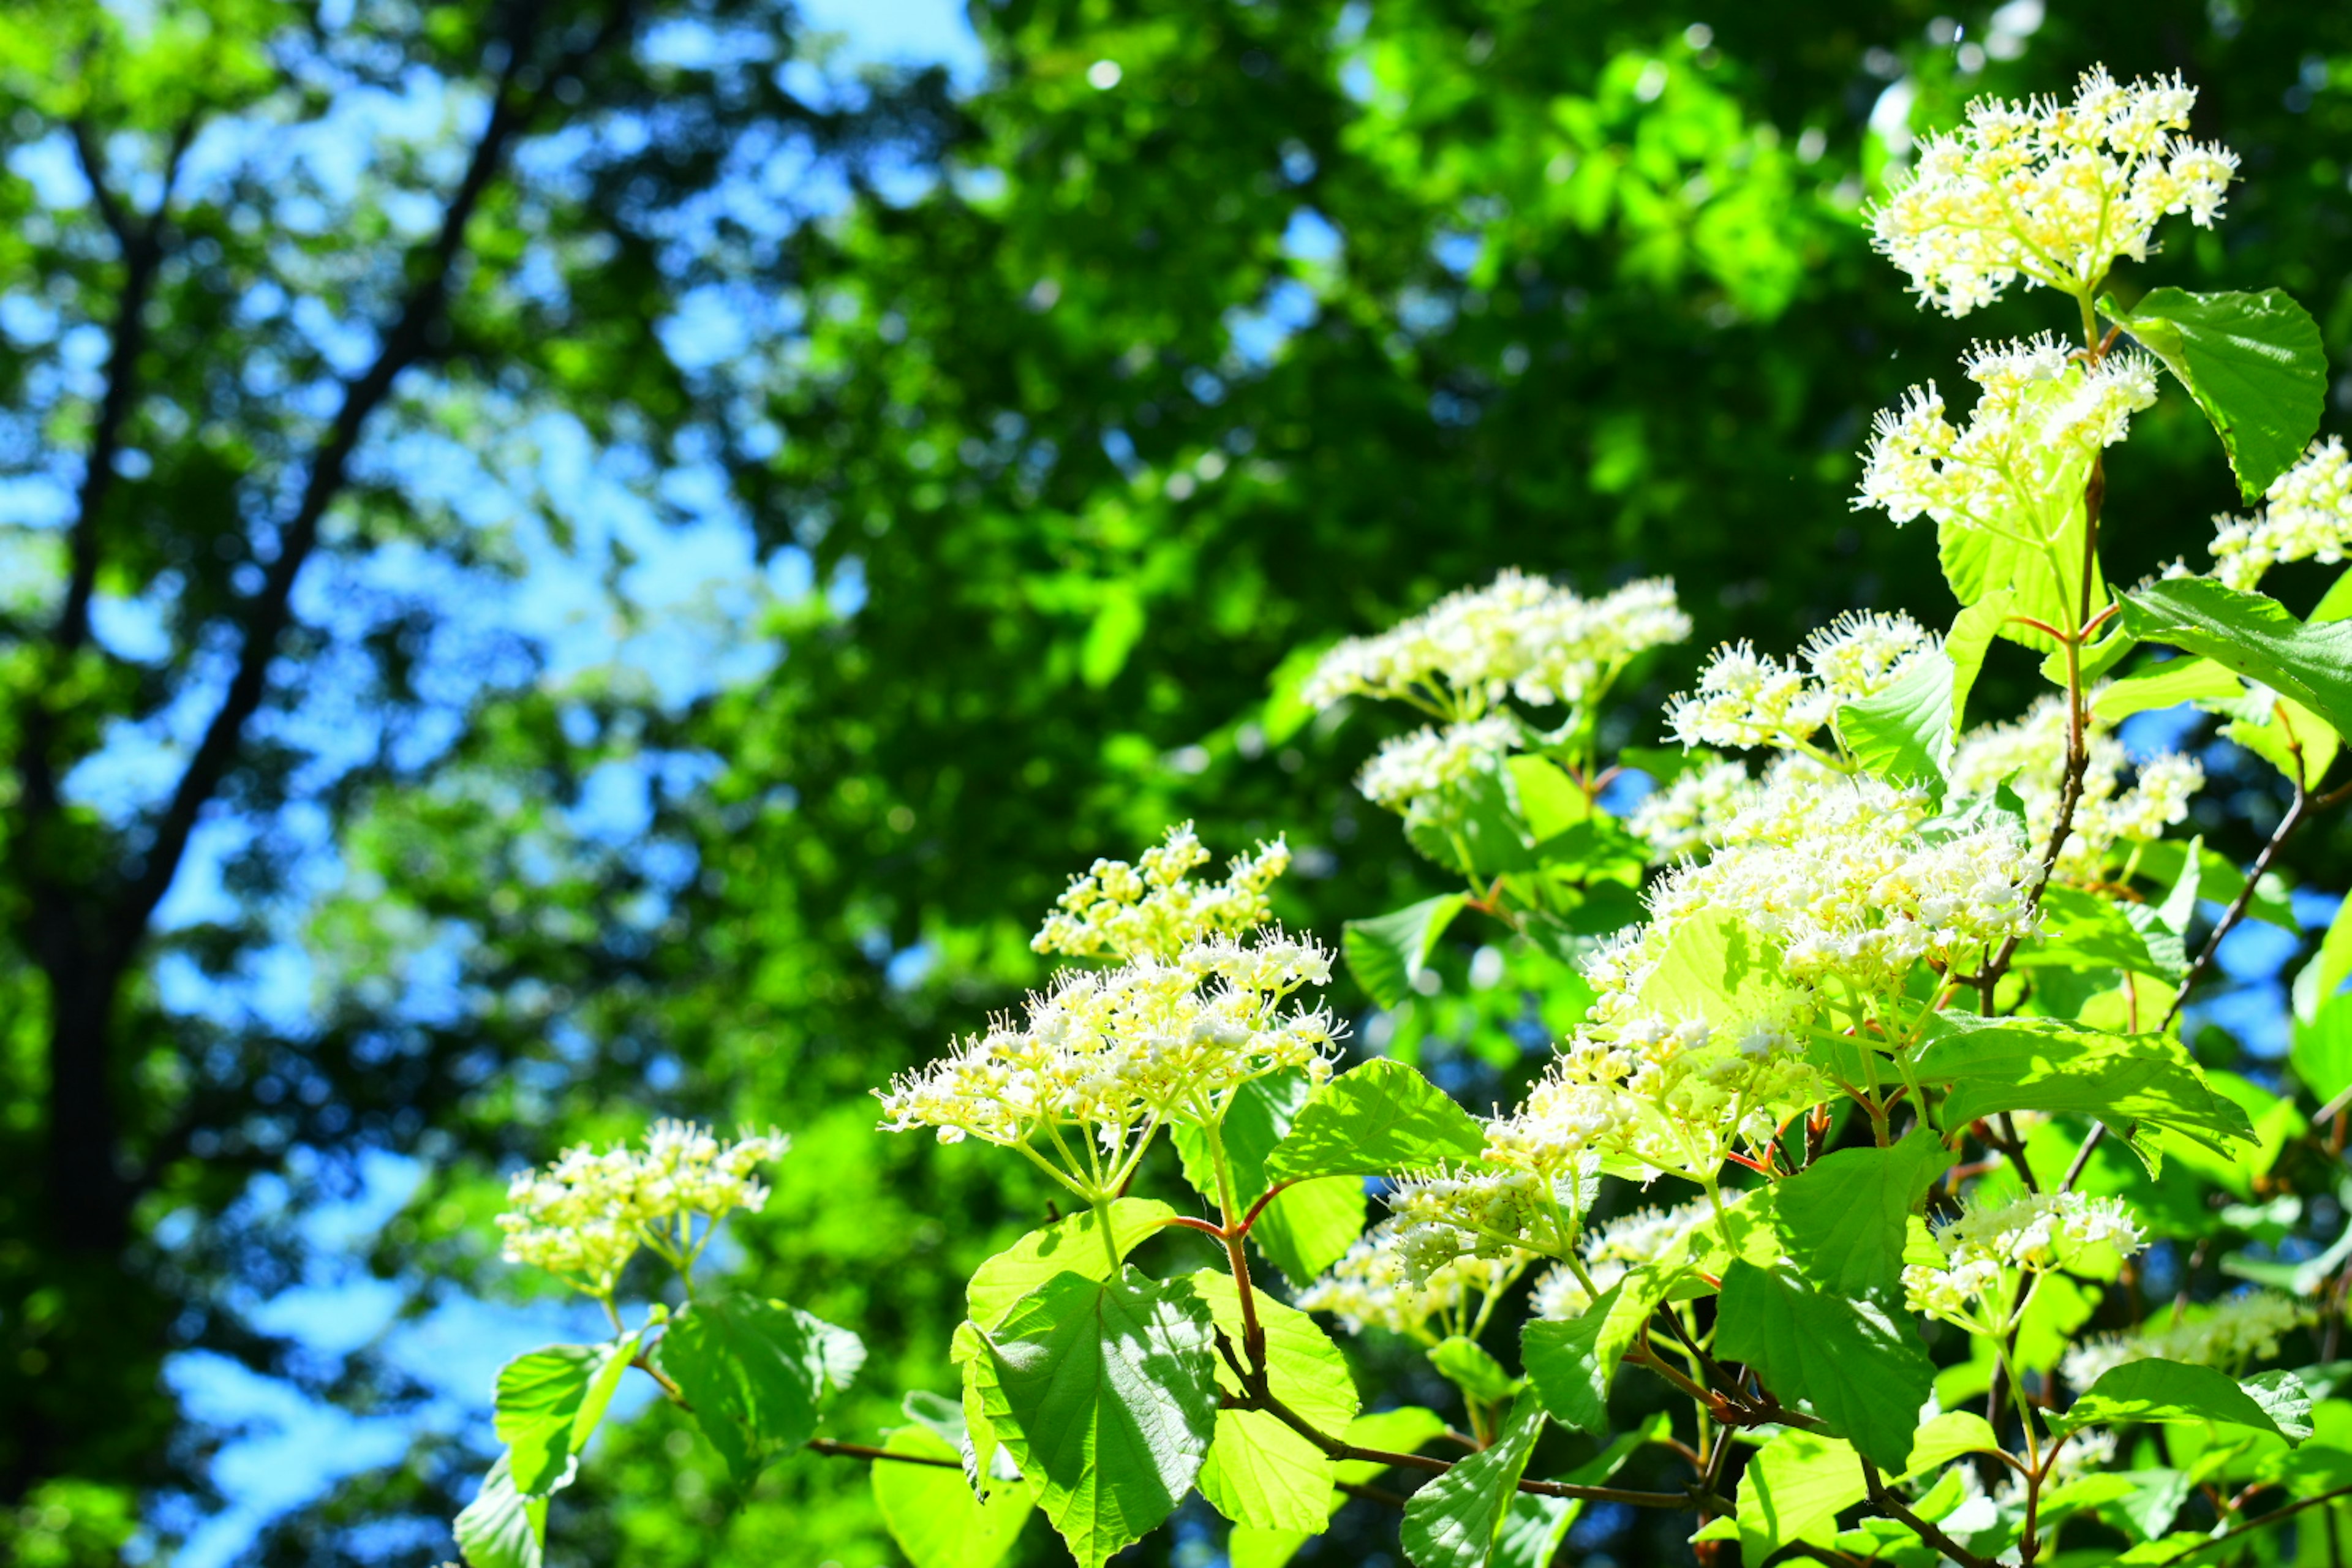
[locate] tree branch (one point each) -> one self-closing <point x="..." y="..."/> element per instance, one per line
<point x="1894" y="1508"/>
<point x="270" y="610"/>
<point x="2262" y="1522"/>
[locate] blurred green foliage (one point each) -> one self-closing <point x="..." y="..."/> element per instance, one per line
<point x="1089" y="406"/>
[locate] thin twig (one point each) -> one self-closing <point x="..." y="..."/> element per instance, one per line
<point x="1893" y="1508"/>
<point x="2264" y="1522"/>
<point x="827" y="1446"/>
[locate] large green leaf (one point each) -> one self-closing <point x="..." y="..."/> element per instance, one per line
<point x="930" y="1511"/>
<point x="1717" y="968"/>
<point x="1387" y="952"/>
<point x="1857" y="1361"/>
<point x="1308" y="1227"/>
<point x="1970" y="638"/>
<point x="754" y="1372"/>
<point x="2166" y="685"/>
<point x="1259" y="1470"/>
<point x="1571" y="1363"/>
<point x="2171" y="1391"/>
<point x="502" y="1528"/>
<point x="1845" y="1216"/>
<point x="1904" y="734"/>
<point x="2166" y="862"/>
<point x="2254" y="635"/>
<point x="1793" y="1490"/>
<point x="1372" y="1119"/>
<point x="2083" y="931"/>
<point x="1465" y="1364"/>
<point x="2322" y="1050"/>
<point x="1456" y="1520"/>
<point x="1072" y="1244"/>
<point x="2253" y="362"/>
<point x="2128" y="1081"/>
<point x="548" y="1402"/>
<point x="1106" y="1393"/>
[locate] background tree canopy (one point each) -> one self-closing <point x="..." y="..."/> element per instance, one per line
<point x="1038" y="427"/>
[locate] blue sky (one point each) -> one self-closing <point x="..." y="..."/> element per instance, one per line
<point x="291" y="1448"/>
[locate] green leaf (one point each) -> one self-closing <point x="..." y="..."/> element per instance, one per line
<point x="1847" y="1215"/>
<point x="2166" y="861"/>
<point x="1715" y="967"/>
<point x="2175" y="1392"/>
<point x="1456" y="1520"/>
<point x="2252" y="362"/>
<point x="930" y="1512"/>
<point x="1259" y="1470"/>
<point x="1943" y="1438"/>
<point x="1856" y="1361"/>
<point x="1793" y="1490"/>
<point x="1970" y="638"/>
<point x="2254" y="635"/>
<point x="2333" y="963"/>
<point x="2166" y="685"/>
<point x="1072" y="1244"/>
<point x="1472" y="827"/>
<point x="1307" y="1228"/>
<point x="1904" y="734"/>
<point x="2322" y="1051"/>
<point x="1549" y="802"/>
<point x="502" y="1528"/>
<point x="1387" y="953"/>
<point x="1106" y="1393"/>
<point x="1380" y="1118"/>
<point x="754" y="1372"/>
<point x="548" y="1402"/>
<point x="1464" y="1363"/>
<point x="2128" y="1081"/>
<point x="2083" y="931"/>
<point x="1572" y="1363"/>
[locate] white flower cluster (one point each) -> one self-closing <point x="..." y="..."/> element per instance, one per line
<point x="1986" y="1249"/>
<point x="1411" y="772"/>
<point x="1747" y="699"/>
<point x="2019" y="467"/>
<point x="1122" y="910"/>
<point x="1613" y="1251"/>
<point x="2307" y="516"/>
<point x="586" y="1216"/>
<point x="1487" y="1210"/>
<point x="2030" y="756"/>
<point x="1374" y="1288"/>
<point x="1853" y="879"/>
<point x="2050" y="192"/>
<point x="1519" y="637"/>
<point x="1678" y="820"/>
<point x="2233" y="1334"/>
<point x="1119" y="1051"/>
<point x="1843" y="886"/>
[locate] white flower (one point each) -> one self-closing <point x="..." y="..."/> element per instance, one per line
<point x="1410" y="773"/>
<point x="1678" y="819"/>
<point x="1747" y="699"/>
<point x="2050" y="192"/>
<point x="1519" y="635"/>
<point x="1487" y="1210"/>
<point x="1985" y="1248"/>
<point x="2307" y="516"/>
<point x="2030" y="756"/>
<point x="586" y="1216"/>
<point x="2233" y="1334"/>
<point x="1372" y="1286"/>
<point x="2019" y="467"/>
<point x="1119" y="910"/>
<point x="1115" y="1053"/>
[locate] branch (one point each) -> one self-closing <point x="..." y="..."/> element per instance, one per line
<point x="270" y="612"/>
<point x="2264" y="1522"/>
<point x="826" y="1445"/>
<point x="1893" y="1508"/>
<point x="2297" y="811"/>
